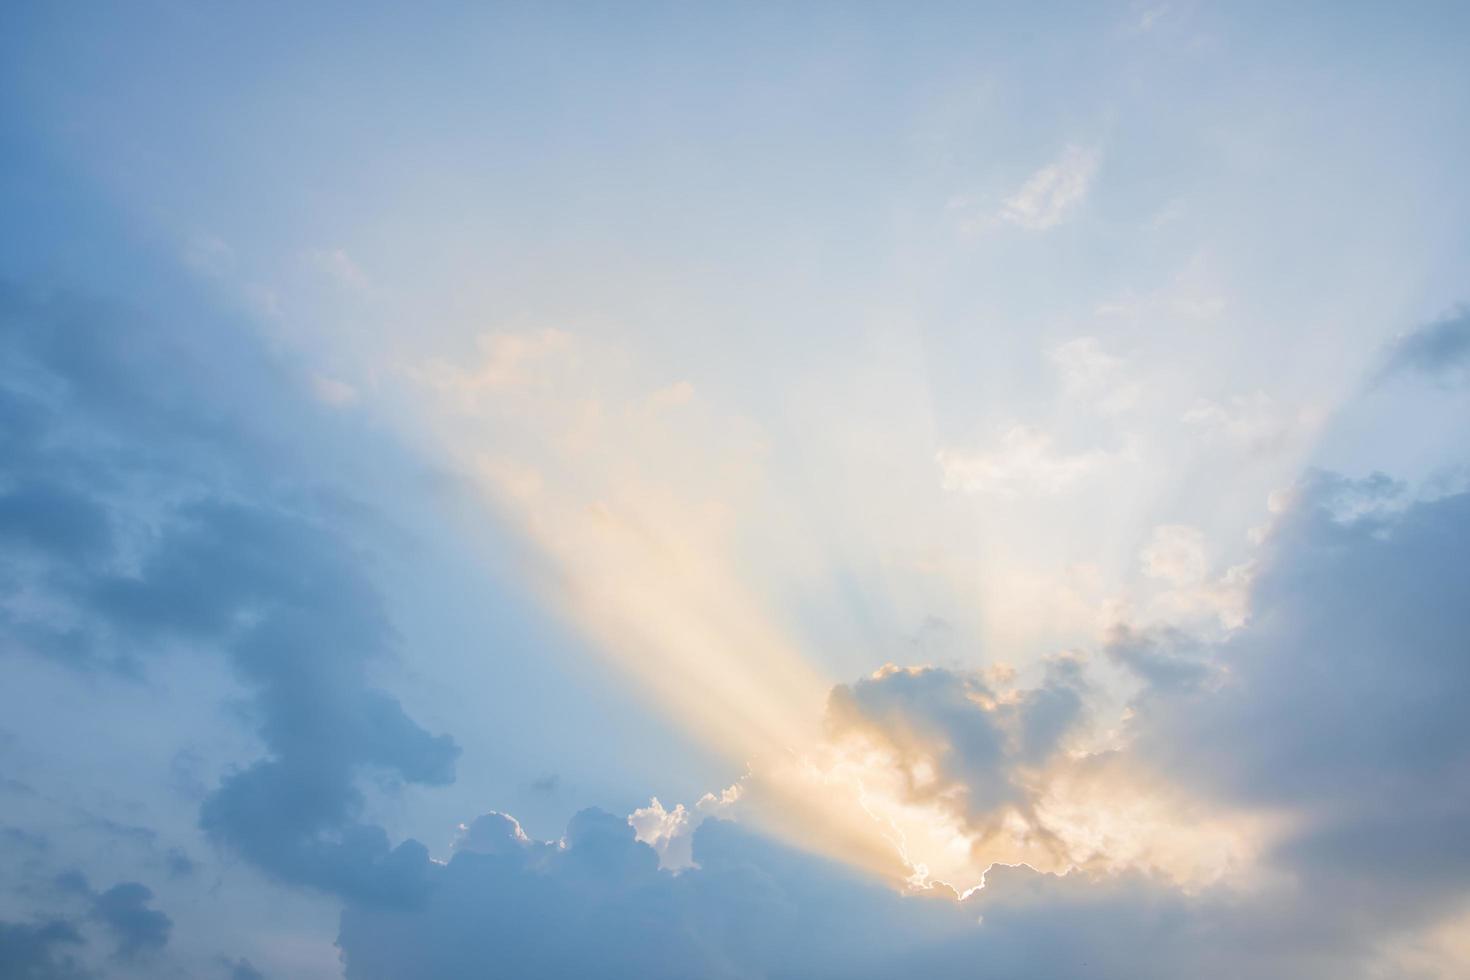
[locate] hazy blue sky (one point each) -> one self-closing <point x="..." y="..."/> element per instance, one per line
<point x="945" y="490"/>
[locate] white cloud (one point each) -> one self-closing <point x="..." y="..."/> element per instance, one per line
<point x="1046" y="199"/>
<point x="1189" y="594"/>
<point x="333" y="392"/>
<point x="507" y="360"/>
<point x="209" y="255"/>
<point x="1254" y="422"/>
<point x="1175" y="554"/>
<point x="671" y="832"/>
<point x="671" y="396"/>
<point x="1024" y="463"/>
<point x="1195" y="294"/>
<point x="339" y="266"/>
<point x="1151" y="16"/>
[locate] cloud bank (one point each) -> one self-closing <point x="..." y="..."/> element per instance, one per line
<point x="1337" y="708"/>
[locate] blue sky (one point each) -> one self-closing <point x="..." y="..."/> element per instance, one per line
<point x="755" y="491"/>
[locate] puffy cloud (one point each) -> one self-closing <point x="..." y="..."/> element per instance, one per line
<point x="971" y="770"/>
<point x="671" y="832"/>
<point x="1340" y="703"/>
<point x="953" y="733"/>
<point x="596" y="904"/>
<point x="1175" y="554"/>
<point x="1189" y="592"/>
<point x="1334" y="715"/>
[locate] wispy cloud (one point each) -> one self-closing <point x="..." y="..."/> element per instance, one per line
<point x="1090" y="373"/>
<point x="1051" y="194"/>
<point x="1047" y="198"/>
<point x="338" y="266"/>
<point x="1440" y="350"/>
<point x="1024" y="462"/>
<point x="1254" y="422"/>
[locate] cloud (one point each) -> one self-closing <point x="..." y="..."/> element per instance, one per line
<point x="1229" y="808"/>
<point x="1149" y="16"/>
<point x="1046" y="199"/>
<point x="1023" y="464"/>
<point x="314" y="625"/>
<point x="1439" y="350"/>
<point x="333" y="392"/>
<point x="1175" y="554"/>
<point x="1341" y="702"/>
<point x="671" y="832"/>
<point x="970" y="770"/>
<point x="596" y="903"/>
<point x="139" y="930"/>
<point x="209" y="255"/>
<point x="1167" y="660"/>
<point x="242" y="969"/>
<point x="1337" y="708"/>
<point x="338" y="266"/>
<point x="221" y="563"/>
<point x="53" y="519"/>
<point x="1051" y="194"/>
<point x="1091" y="374"/>
<point x="1254" y="422"/>
<point x="954" y="733"/>
<point x="507" y="361"/>
<point x="40" y="951"/>
<point x="43" y="950"/>
<point x="1176" y="560"/>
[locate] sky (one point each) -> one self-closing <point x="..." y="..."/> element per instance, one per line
<point x="737" y="491"/>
